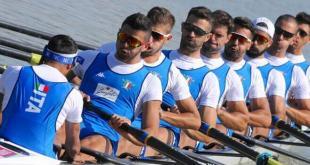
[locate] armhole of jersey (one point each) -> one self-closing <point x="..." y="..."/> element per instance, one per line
<point x="12" y="89"/>
<point x="135" y="108"/>
<point x="164" y="88"/>
<point x="62" y="109"/>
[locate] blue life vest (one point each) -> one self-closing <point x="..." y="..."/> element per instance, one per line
<point x="113" y="92"/>
<point x="30" y="117"/>
<point x="265" y="71"/>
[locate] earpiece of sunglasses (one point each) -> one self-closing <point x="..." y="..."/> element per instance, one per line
<point x="160" y="36"/>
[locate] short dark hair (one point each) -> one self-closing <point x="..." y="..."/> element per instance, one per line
<point x="285" y="17"/>
<point x="161" y="15"/>
<point x="62" y="44"/>
<point x="138" y="21"/>
<point x="303" y="18"/>
<point x="202" y="12"/>
<point x="244" y="22"/>
<point x="222" y="18"/>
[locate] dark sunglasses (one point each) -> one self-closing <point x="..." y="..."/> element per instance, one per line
<point x="192" y="28"/>
<point x="302" y="33"/>
<point x="241" y="38"/>
<point x="159" y="36"/>
<point x="287" y="35"/>
<point x="260" y="39"/>
<point x="131" y="41"/>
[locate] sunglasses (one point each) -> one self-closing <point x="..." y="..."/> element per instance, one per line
<point x="241" y="38"/>
<point x="287" y="35"/>
<point x="130" y="40"/>
<point x="302" y="33"/>
<point x="192" y="28"/>
<point x="260" y="39"/>
<point x="157" y="36"/>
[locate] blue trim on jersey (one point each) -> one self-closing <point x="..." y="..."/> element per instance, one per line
<point x="265" y="71"/>
<point x="287" y="70"/>
<point x="245" y="74"/>
<point x="304" y="66"/>
<point x="113" y="92"/>
<point x="38" y="108"/>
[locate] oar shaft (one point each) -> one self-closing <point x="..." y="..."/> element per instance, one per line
<point x="15" y="54"/>
<point x="19" y="46"/>
<point x="38" y="34"/>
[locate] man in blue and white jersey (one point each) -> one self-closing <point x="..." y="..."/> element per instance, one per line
<point x="295" y="50"/>
<point x="119" y="84"/>
<point x="253" y="86"/>
<point x="202" y="83"/>
<point x="297" y="86"/>
<point x="231" y="91"/>
<point x="273" y="80"/>
<point x="172" y="81"/>
<point x="38" y="100"/>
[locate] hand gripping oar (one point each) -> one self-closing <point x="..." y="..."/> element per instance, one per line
<point x="260" y="159"/>
<point x="252" y="141"/>
<point x="100" y="156"/>
<point x="292" y="131"/>
<point x="143" y="137"/>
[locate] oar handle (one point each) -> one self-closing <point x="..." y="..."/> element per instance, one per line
<point x="292" y="131"/>
<point x="143" y="137"/>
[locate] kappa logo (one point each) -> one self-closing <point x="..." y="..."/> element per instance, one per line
<point x="100" y="74"/>
<point x="127" y="84"/>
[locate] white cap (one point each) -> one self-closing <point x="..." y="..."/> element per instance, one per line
<point x="269" y="29"/>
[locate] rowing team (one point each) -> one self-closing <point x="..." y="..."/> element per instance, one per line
<point x="230" y="73"/>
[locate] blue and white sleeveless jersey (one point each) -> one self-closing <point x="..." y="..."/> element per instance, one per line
<point x="274" y="82"/>
<point x="116" y="87"/>
<point x="297" y="85"/>
<point x="251" y="79"/>
<point x="300" y="61"/>
<point x="41" y="108"/>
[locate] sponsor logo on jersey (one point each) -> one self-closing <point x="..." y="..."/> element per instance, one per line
<point x="107" y="92"/>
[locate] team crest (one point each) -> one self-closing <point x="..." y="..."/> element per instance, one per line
<point x="127" y="84"/>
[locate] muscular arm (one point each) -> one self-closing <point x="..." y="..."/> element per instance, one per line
<point x="300" y="112"/>
<point x="236" y="117"/>
<point x="72" y="139"/>
<point x="208" y="115"/>
<point x="259" y="115"/>
<point x="277" y="106"/>
<point x="150" y="121"/>
<point x="188" y="118"/>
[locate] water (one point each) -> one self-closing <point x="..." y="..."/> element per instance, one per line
<point x="97" y="21"/>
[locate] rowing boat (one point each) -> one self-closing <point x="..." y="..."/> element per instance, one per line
<point x="11" y="153"/>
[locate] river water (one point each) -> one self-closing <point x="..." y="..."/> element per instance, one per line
<point x="97" y="21"/>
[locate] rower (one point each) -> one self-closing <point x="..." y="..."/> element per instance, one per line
<point x="33" y="106"/>
<point x="273" y="80"/>
<point x="295" y="50"/>
<point x="231" y="91"/>
<point x="203" y="84"/>
<point x="118" y="83"/>
<point x="297" y="86"/>
<point x="253" y="86"/>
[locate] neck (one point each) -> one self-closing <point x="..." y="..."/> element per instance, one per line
<point x="296" y="52"/>
<point x="212" y="55"/>
<point x="194" y="54"/>
<point x="62" y="68"/>
<point x="133" y="60"/>
<point x="152" y="58"/>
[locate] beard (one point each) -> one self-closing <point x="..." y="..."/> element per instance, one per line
<point x="189" y="45"/>
<point x="231" y="55"/>
<point x="254" y="52"/>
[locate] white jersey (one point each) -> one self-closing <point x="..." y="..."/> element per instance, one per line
<point x="151" y="88"/>
<point x="177" y="85"/>
<point x="256" y="89"/>
<point x="72" y="108"/>
<point x="299" y="88"/>
<point x="233" y="88"/>
<point x="209" y="92"/>
<point x="275" y="81"/>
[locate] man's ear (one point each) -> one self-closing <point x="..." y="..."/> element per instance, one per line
<point x="208" y="36"/>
